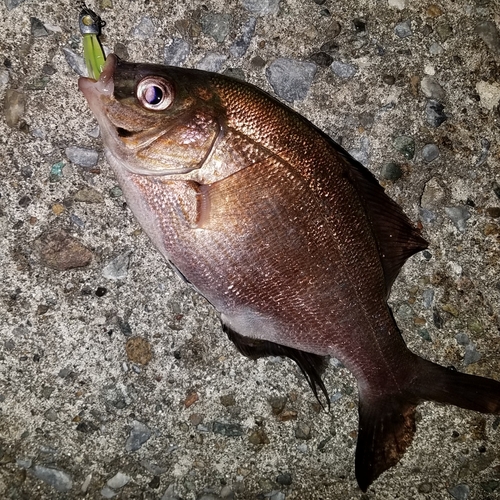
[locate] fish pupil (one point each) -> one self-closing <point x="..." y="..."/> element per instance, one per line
<point x="153" y="95"/>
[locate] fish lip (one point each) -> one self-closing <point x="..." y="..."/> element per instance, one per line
<point x="105" y="84"/>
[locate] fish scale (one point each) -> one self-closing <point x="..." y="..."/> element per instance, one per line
<point x="292" y="240"/>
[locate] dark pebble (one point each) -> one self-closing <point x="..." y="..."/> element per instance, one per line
<point x="101" y="291"/>
<point x="427" y="255"/>
<point x="329" y="47"/>
<point x="437" y="319"/>
<point x="388" y="79"/>
<point x="321" y="59"/>
<point x="391" y="172"/>
<point x="48" y="70"/>
<point x="38" y="30"/>
<point x="258" y="62"/>
<point x="493" y="212"/>
<point x="285" y="479"/>
<point x="435" y="114"/>
<point x="155" y="482"/>
<point x="24" y="201"/>
<point x="228" y="430"/>
<point x="359" y="25"/>
<point x="121" y="51"/>
<point x="496" y="189"/>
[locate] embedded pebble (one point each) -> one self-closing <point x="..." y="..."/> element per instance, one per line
<point x="83" y="157"/>
<point x="277" y="495"/>
<point x="119" y="480"/>
<point x="241" y="44"/>
<point x="176" y="52"/>
<point x="343" y="70"/>
<point x="459" y="216"/>
<point x="38" y="30"/>
<point x="139" y="434"/>
<point x="75" y="62"/>
<point x="460" y="492"/>
<point x="14" y="104"/>
<point x="428" y="298"/>
<point x="431" y="88"/>
<point x="391" y="172"/>
<point x="435" y="49"/>
<point x="362" y="153"/>
<point x="115" y="192"/>
<point x="144" y="30"/>
<point x="405" y="145"/>
<point x="433" y="194"/>
<point x="56" y="172"/>
<point x="435" y="114"/>
<point x="228" y="430"/>
<point x="489" y="94"/>
<point x="488" y="32"/>
<point x="471" y="354"/>
<point x="211" y="62"/>
<point x="138" y="350"/>
<point x="107" y="492"/>
<point x="12" y="4"/>
<point x="58" y="250"/>
<point x="303" y="431"/>
<point x="170" y="493"/>
<point x="291" y="79"/>
<point x="58" y="479"/>
<point x="216" y="25"/>
<point x="444" y="31"/>
<point x="321" y="58"/>
<point x="430" y="152"/>
<point x="403" y="29"/>
<point x="261" y="7"/>
<point x="88" y="195"/>
<point x="117" y="269"/>
<point x="398" y="4"/>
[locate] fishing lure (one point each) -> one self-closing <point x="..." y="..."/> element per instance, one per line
<point x="90" y="27"/>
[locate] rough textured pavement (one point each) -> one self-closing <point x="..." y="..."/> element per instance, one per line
<point x="115" y="378"/>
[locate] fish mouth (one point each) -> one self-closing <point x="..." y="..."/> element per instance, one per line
<point x="105" y="85"/>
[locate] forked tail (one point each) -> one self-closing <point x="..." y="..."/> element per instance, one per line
<point x="387" y="423"/>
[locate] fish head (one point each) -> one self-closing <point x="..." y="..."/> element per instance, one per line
<point x="155" y="120"/>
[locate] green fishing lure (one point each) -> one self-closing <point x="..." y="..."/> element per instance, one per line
<point x="90" y="28"/>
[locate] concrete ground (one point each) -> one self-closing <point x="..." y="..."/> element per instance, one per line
<point x="115" y="378"/>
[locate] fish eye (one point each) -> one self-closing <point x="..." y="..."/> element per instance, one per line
<point x="155" y="93"/>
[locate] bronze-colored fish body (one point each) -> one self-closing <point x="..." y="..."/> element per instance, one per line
<point x="292" y="240"/>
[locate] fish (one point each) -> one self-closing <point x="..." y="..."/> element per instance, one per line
<point x="291" y="239"/>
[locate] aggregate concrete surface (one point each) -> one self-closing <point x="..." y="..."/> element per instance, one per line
<point x="115" y="377"/>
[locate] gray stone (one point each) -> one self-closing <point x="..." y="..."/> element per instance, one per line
<point x="211" y="62"/>
<point x="119" y="480"/>
<point x="216" y="25"/>
<point x="228" y="430"/>
<point x="435" y="114"/>
<point x="83" y="157"/>
<point x="25" y="463"/>
<point x="107" y="492"/>
<point x="343" y="70"/>
<point x="435" y="49"/>
<point x="471" y="354"/>
<point x="291" y="79"/>
<point x="88" y="195"/>
<point x="75" y="62"/>
<point x="12" y="4"/>
<point x="261" y="7"/>
<point x="139" y="434"/>
<point x="462" y="338"/>
<point x="362" y="153"/>
<point x="117" y="269"/>
<point x="430" y="152"/>
<point x="176" y="52"/>
<point x="241" y="44"/>
<point x="431" y="88"/>
<point x="428" y="298"/>
<point x="460" y="492"/>
<point x="58" y="479"/>
<point x="170" y="493"/>
<point x="403" y="29"/>
<point x="459" y="216"/>
<point x="303" y="431"/>
<point x="405" y="145"/>
<point x="144" y="30"/>
<point x="38" y="29"/>
<point x="444" y="31"/>
<point x="14" y="106"/>
<point x="488" y="32"/>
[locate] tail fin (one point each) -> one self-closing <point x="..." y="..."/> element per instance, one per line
<point x="387" y="423"/>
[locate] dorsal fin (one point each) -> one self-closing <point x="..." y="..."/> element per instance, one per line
<point x="397" y="239"/>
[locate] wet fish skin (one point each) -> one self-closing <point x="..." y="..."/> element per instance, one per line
<point x="292" y="240"/>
